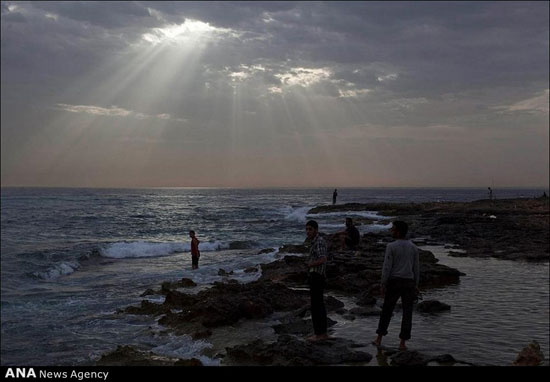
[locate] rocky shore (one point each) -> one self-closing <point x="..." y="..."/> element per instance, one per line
<point x="279" y="299"/>
<point x="511" y="229"/>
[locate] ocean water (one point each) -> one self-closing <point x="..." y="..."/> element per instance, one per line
<point x="71" y="257"/>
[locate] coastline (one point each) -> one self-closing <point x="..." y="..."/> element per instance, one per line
<point x="511" y="229"/>
<point x="278" y="300"/>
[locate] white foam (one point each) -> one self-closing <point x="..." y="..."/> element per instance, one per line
<point x="231" y="261"/>
<point x="330" y="226"/>
<point x="297" y="214"/>
<point x="139" y="249"/>
<point x="58" y="270"/>
<point x="184" y="347"/>
<point x="365" y="214"/>
<point x="374" y="227"/>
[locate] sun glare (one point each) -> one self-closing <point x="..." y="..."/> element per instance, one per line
<point x="190" y="30"/>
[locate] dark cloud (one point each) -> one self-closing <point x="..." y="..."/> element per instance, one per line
<point x="285" y="66"/>
<point x="117" y="14"/>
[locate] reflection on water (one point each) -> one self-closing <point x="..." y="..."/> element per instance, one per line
<point x="498" y="308"/>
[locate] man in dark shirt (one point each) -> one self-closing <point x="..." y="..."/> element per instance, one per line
<point x="350" y="237"/>
<point x="195" y="253"/>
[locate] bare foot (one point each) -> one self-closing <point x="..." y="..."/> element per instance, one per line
<point x="402" y="346"/>
<point x="377" y="341"/>
<point x="315" y="337"/>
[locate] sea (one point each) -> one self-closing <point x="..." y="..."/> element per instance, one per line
<point x="72" y="257"/>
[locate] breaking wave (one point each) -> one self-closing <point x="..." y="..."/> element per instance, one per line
<point x="137" y="249"/>
<point x="58" y="270"/>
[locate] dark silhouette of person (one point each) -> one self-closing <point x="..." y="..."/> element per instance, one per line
<point x="195" y="253"/>
<point x="490" y="193"/>
<point x="316" y="278"/>
<point x="350" y="237"/>
<point x="400" y="277"/>
<point x="334" y="195"/>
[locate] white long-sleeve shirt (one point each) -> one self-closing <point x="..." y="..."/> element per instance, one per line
<point x="401" y="260"/>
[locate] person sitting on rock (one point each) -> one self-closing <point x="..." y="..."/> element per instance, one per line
<point x="400" y="277"/>
<point x="349" y="239"/>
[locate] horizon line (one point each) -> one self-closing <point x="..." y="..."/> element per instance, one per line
<point x="275" y="187"/>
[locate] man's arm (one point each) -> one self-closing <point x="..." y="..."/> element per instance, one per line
<point x="416" y="267"/>
<point x="317" y="262"/>
<point x="321" y="254"/>
<point x="386" y="269"/>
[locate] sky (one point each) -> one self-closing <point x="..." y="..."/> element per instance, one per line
<point x="275" y="94"/>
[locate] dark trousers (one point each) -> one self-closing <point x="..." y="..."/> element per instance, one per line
<point x="318" y="310"/>
<point x="406" y="289"/>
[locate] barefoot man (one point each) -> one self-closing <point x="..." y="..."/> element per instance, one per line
<point x="316" y="275"/>
<point x="400" y="276"/>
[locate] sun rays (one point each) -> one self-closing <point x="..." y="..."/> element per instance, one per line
<point x="185" y="94"/>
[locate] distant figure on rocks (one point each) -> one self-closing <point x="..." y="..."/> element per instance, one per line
<point x="490" y="193"/>
<point x="195" y="253"/>
<point x="400" y="277"/>
<point x="334" y="195"/>
<point x="316" y="277"/>
<point x="350" y="237"/>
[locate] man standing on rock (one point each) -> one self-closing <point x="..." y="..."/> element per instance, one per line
<point x="316" y="277"/>
<point x="400" y="277"/>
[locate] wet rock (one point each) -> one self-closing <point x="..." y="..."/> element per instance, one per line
<point x="341" y="311"/>
<point x="333" y="304"/>
<point x="148" y="292"/>
<point x="129" y="356"/>
<point x="426" y="257"/>
<point x="225" y="304"/>
<point x="292" y="351"/>
<point x="187" y="283"/>
<point x="146" y="308"/>
<point x="251" y="270"/>
<point x="223" y="272"/>
<point x="183" y="283"/>
<point x="188" y="362"/>
<point x="266" y="250"/>
<point x="201" y="334"/>
<point x="520" y="231"/>
<point x="409" y="358"/>
<point x="366" y="299"/>
<point x="348" y="283"/>
<point x="293" y="248"/>
<point x="436" y="275"/>
<point x="175" y="299"/>
<point x="254" y="309"/>
<point x="291" y="269"/>
<point x="444" y="359"/>
<point x="432" y="306"/>
<point x="531" y="355"/>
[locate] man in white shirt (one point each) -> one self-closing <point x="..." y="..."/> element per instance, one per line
<point x="400" y="277"/>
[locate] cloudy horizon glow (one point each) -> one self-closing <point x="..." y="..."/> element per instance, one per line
<point x="275" y="94"/>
